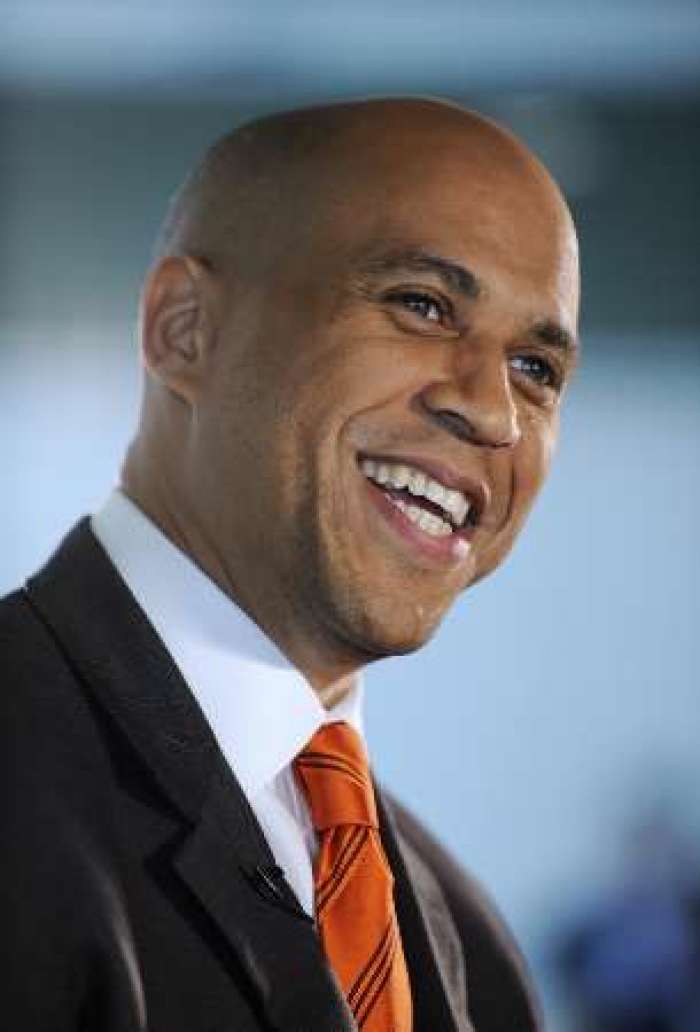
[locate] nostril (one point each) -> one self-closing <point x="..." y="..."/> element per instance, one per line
<point x="454" y="423"/>
<point x="489" y="429"/>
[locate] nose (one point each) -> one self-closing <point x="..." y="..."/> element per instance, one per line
<point x="477" y="406"/>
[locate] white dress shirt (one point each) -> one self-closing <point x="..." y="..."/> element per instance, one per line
<point x="260" y="708"/>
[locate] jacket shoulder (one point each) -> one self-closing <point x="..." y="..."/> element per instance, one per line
<point x="52" y="748"/>
<point x="36" y="679"/>
<point x="499" y="988"/>
<point x="55" y="828"/>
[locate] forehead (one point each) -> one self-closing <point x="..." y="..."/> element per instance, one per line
<point x="485" y="204"/>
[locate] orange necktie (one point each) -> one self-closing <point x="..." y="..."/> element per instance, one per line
<point x="353" y="882"/>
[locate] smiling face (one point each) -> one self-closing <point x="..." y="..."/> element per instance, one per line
<point x="381" y="409"/>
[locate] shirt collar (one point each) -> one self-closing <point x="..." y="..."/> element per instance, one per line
<point x="260" y="708"/>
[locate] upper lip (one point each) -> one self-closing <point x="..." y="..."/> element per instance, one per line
<point x="476" y="491"/>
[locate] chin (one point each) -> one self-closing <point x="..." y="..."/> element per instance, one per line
<point x="389" y="630"/>
<point x="373" y="616"/>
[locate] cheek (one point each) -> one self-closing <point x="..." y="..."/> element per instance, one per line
<point x="533" y="460"/>
<point x="331" y="402"/>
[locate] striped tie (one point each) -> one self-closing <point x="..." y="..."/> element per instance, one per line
<point x="353" y="883"/>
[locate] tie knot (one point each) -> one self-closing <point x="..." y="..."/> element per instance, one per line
<point x="334" y="773"/>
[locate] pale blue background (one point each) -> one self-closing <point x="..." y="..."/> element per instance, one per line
<point x="560" y="699"/>
<point x="560" y="696"/>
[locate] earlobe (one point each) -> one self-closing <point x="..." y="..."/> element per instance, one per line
<point x="174" y="326"/>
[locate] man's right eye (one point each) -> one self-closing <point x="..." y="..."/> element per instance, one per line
<point x="426" y="306"/>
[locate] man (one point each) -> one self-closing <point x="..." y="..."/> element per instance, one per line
<point x="356" y="337"/>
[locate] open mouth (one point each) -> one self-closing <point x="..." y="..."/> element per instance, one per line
<point x="438" y="510"/>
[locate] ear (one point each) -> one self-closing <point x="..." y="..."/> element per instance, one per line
<point x="176" y="328"/>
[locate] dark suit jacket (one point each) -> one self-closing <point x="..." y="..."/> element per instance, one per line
<point x="137" y="889"/>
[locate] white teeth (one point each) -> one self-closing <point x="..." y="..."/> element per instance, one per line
<point x="427" y="521"/>
<point x="400" y="476"/>
<point x="418" y="483"/>
<point x="457" y="505"/>
<point x="412" y="511"/>
<point x="433" y="525"/>
<point x="436" y="492"/>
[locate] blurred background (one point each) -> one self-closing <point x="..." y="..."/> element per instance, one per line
<point x="557" y="713"/>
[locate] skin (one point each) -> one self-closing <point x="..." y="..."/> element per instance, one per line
<point x="296" y="320"/>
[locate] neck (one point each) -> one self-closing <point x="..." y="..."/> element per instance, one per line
<point x="335" y="692"/>
<point x="329" y="673"/>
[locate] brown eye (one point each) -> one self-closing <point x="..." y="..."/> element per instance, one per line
<point x="423" y="305"/>
<point x="538" y="369"/>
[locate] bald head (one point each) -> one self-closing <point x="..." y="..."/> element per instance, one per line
<point x="390" y="283"/>
<point x="270" y="181"/>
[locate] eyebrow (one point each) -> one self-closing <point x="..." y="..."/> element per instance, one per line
<point x="554" y="336"/>
<point x="459" y="277"/>
<point x="454" y="276"/>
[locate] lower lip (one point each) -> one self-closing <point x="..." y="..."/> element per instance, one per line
<point x="449" y="550"/>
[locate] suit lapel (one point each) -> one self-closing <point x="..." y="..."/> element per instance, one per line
<point x="223" y="856"/>
<point x="435" y="997"/>
<point x="275" y="940"/>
